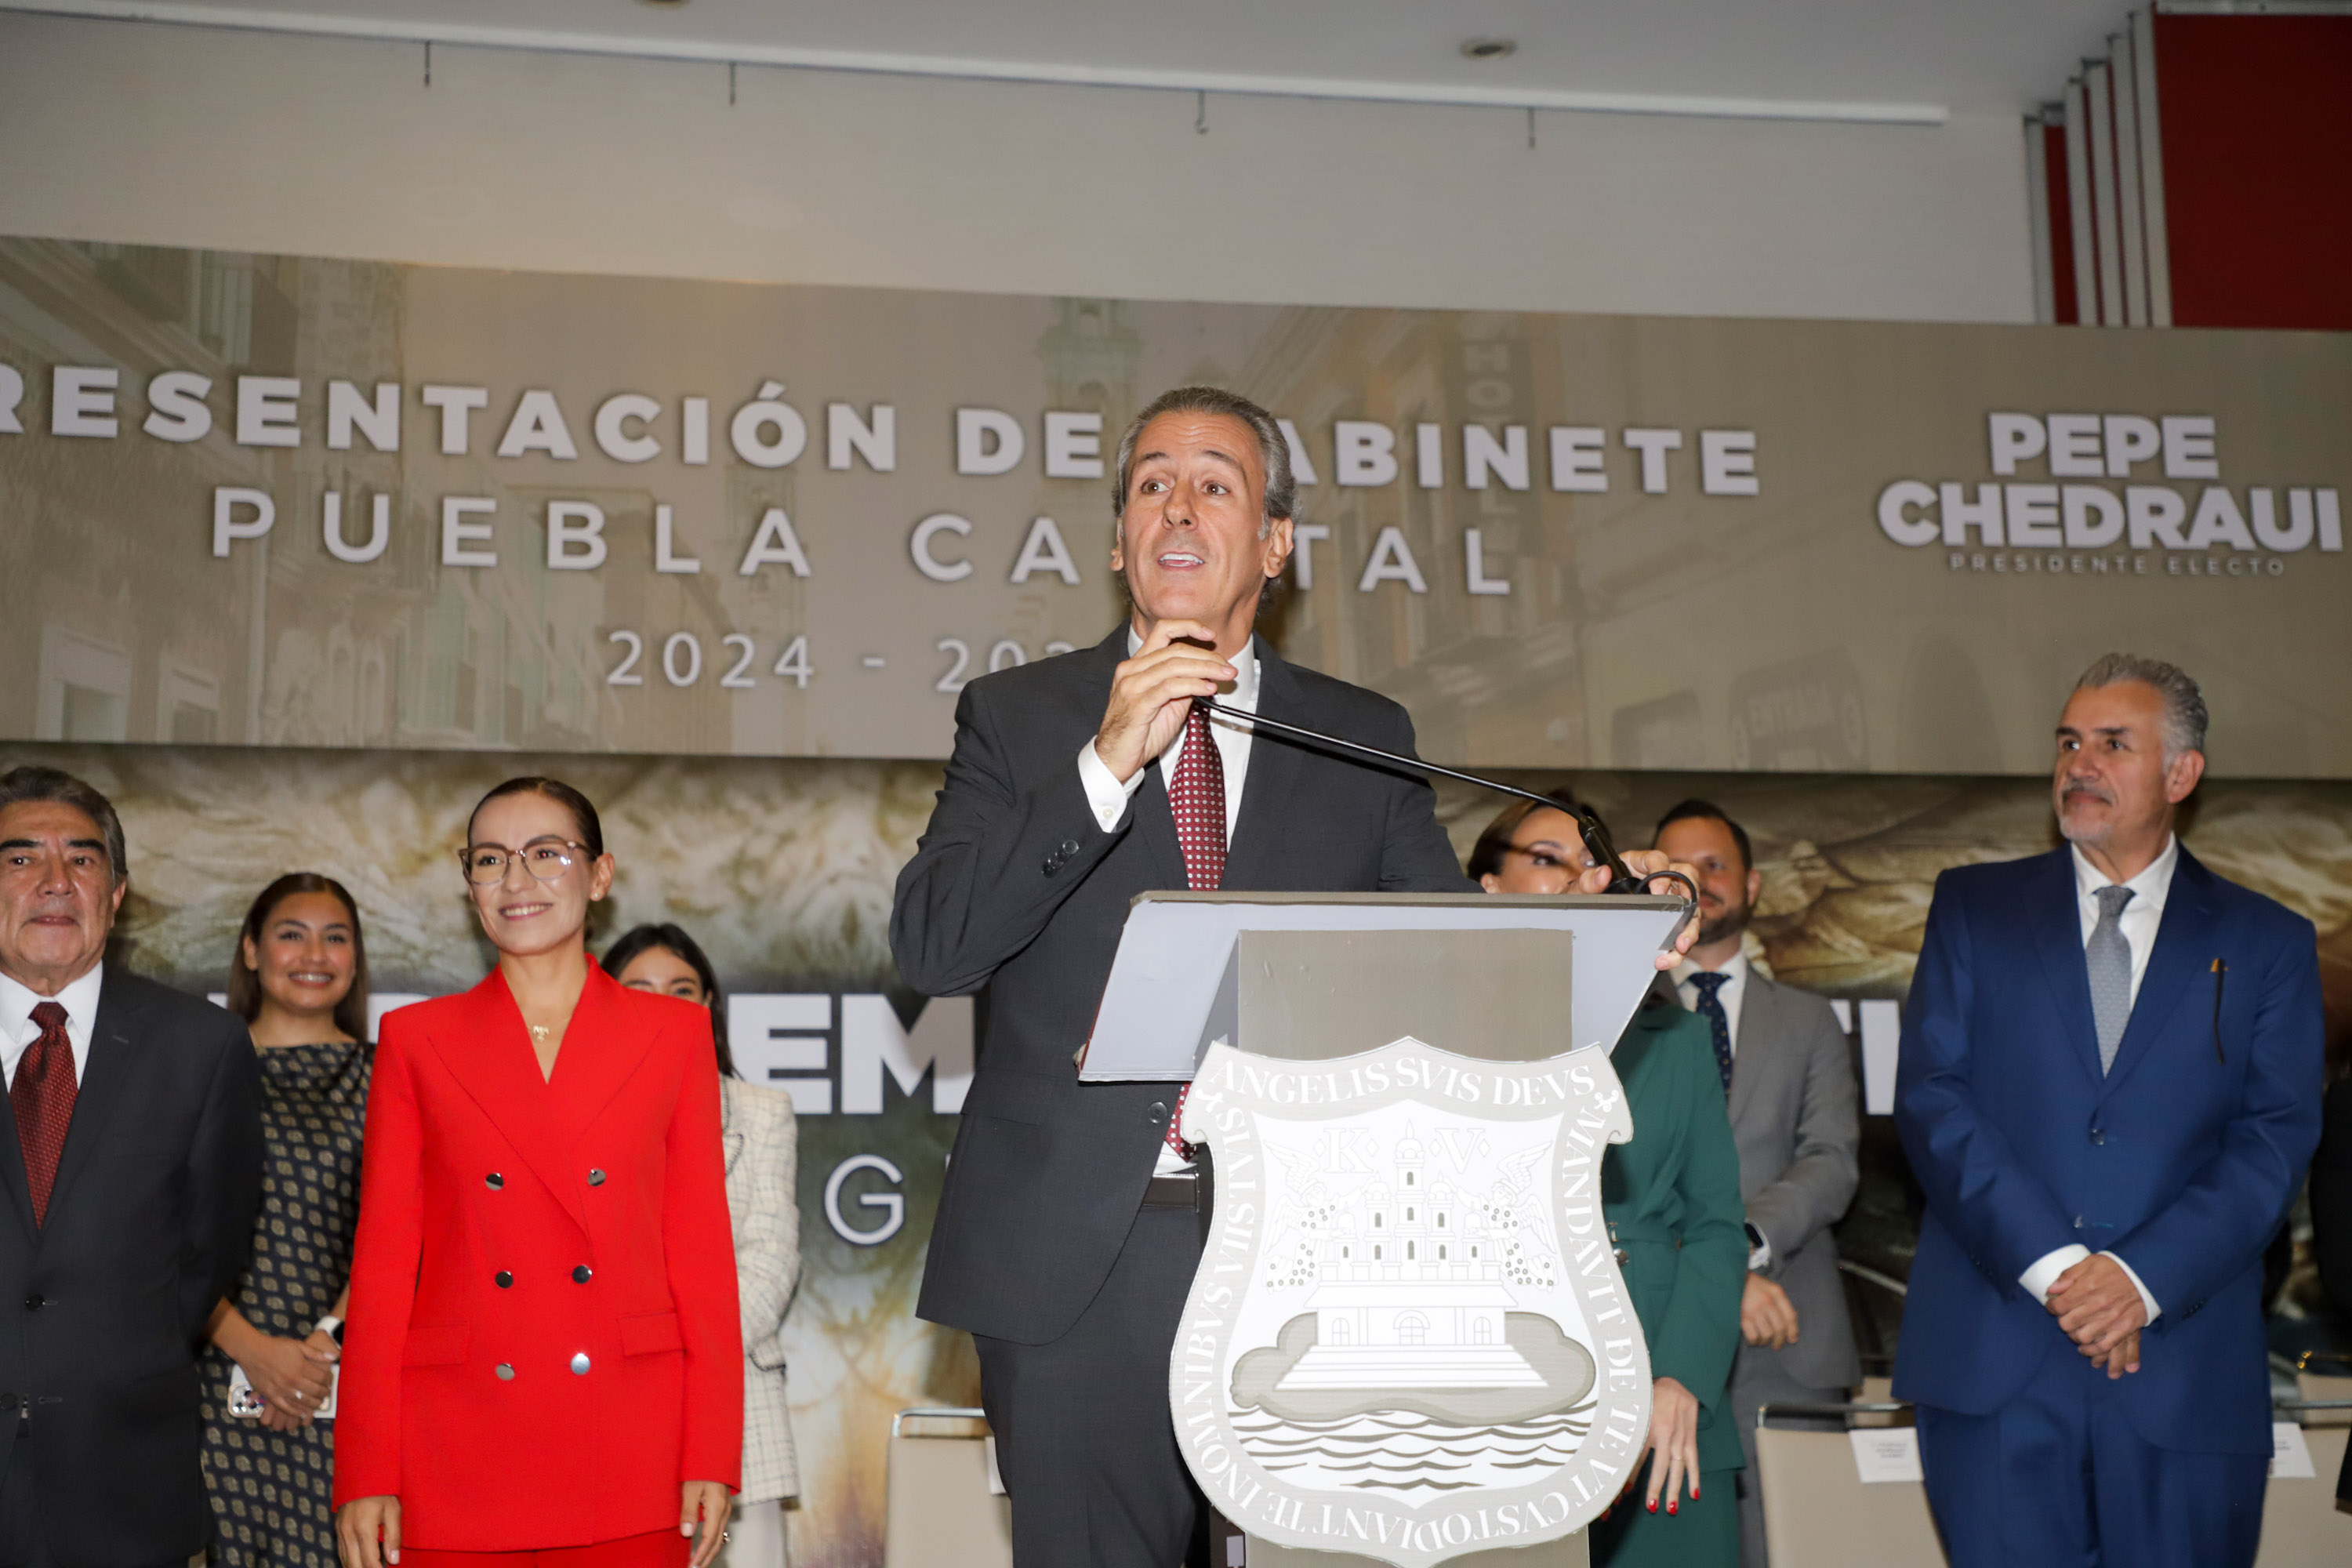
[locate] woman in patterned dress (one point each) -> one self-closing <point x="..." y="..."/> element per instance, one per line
<point x="762" y="1157"/>
<point x="300" y="980"/>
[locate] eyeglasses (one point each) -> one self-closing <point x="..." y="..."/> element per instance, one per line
<point x="545" y="859"/>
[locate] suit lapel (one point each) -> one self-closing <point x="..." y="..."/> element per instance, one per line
<point x="12" y="1176"/>
<point x="1273" y="768"/>
<point x="603" y="1047"/>
<point x="106" y="1081"/>
<point x="2184" y="941"/>
<point x="486" y="1049"/>
<point x="2055" y="927"/>
<point x="1756" y="1033"/>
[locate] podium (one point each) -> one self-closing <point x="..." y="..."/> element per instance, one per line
<point x="1408" y="1341"/>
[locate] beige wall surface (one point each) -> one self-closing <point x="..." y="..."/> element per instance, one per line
<point x="179" y="136"/>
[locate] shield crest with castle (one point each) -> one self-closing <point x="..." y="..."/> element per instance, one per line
<point x="1408" y="1338"/>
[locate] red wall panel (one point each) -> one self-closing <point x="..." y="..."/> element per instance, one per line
<point x="2256" y="114"/>
<point x="2063" y="309"/>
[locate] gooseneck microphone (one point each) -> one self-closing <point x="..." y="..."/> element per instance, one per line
<point x="1596" y="837"/>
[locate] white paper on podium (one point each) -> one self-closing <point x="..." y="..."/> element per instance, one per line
<point x="1886" y="1454"/>
<point x="1173" y="953"/>
<point x="2290" y="1454"/>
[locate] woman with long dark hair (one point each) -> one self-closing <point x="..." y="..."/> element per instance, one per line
<point x="762" y="1156"/>
<point x="299" y="979"/>
<point x="543" y="1352"/>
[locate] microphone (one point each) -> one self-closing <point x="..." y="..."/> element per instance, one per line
<point x="1596" y="837"/>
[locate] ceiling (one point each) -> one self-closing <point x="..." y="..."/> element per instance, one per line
<point x="1866" y="59"/>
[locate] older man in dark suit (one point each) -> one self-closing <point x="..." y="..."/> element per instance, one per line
<point x="1788" y="1072"/>
<point x="2109" y="1089"/>
<point x="130" y="1167"/>
<point x="1069" y="1230"/>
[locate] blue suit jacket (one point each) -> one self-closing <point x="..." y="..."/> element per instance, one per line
<point x="2180" y="1163"/>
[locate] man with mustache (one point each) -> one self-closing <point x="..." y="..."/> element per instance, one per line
<point x="130" y="1170"/>
<point x="1070" y="1223"/>
<point x="1788" y="1074"/>
<point x="2109" y="1089"/>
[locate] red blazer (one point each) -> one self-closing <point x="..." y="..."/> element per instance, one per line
<point x="543" y="1339"/>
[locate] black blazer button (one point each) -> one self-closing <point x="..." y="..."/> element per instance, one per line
<point x="1069" y="847"/>
<point x="494" y="1181"/>
<point x="505" y="1278"/>
<point x="582" y="1275"/>
<point x="35" y="1301"/>
<point x="595" y="1178"/>
<point x="1158" y="1113"/>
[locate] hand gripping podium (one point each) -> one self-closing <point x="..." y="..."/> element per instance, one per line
<point x="1408" y="1341"/>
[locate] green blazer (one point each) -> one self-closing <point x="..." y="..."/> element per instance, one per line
<point x="1672" y="1200"/>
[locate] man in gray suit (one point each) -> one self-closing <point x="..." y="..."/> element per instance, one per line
<point x="1789" y="1072"/>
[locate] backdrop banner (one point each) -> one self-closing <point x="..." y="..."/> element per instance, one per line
<point x="290" y="501"/>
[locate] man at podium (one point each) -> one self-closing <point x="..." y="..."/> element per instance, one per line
<point x="1070" y="1225"/>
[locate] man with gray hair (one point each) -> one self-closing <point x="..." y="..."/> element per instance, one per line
<point x="1070" y="1223"/>
<point x="2109" y="1089"/>
<point x="131" y="1166"/>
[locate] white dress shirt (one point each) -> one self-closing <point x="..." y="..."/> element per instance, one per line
<point x="17" y="1030"/>
<point x="1734" y="988"/>
<point x="1109" y="797"/>
<point x="2141" y="916"/>
<point x="2139" y="921"/>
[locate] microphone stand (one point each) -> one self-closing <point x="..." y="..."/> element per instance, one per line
<point x="1596" y="837"/>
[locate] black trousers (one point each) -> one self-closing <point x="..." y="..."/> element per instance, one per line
<point x="23" y="1543"/>
<point x="1085" y="1440"/>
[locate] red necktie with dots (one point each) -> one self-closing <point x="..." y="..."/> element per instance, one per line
<point x="43" y="1098"/>
<point x="1197" y="796"/>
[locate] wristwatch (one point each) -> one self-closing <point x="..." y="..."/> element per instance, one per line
<point x="331" y="1326"/>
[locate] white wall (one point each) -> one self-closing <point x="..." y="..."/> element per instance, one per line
<point x="261" y="143"/>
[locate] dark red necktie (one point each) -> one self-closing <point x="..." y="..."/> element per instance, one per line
<point x="43" y="1098"/>
<point x="1197" y="795"/>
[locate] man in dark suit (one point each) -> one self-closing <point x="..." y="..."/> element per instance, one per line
<point x="1787" y="1071"/>
<point x="2109" y="1089"/>
<point x="1068" y="1229"/>
<point x="131" y="1169"/>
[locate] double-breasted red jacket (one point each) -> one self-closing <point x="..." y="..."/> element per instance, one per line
<point x="544" y="1339"/>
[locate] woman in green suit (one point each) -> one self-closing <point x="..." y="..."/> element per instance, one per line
<point x="1672" y="1200"/>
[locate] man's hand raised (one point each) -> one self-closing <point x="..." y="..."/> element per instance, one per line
<point x="1152" y="695"/>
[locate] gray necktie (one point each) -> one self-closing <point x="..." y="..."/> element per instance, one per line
<point x="2108" y="955"/>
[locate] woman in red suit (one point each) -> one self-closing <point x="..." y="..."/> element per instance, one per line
<point x="543" y="1354"/>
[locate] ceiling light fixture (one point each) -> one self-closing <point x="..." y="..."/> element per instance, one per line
<point x="1489" y="49"/>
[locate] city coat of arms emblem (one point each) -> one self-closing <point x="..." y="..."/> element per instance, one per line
<point x="1408" y="1338"/>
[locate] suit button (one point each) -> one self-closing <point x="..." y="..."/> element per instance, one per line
<point x="505" y="1278"/>
<point x="35" y="1301"/>
<point x="595" y="1178"/>
<point x="2098" y="1135"/>
<point x="579" y="1364"/>
<point x="1053" y="864"/>
<point x="505" y="1371"/>
<point x="494" y="1181"/>
<point x="581" y="1275"/>
<point x="1158" y="1113"/>
<point x="1069" y="847"/>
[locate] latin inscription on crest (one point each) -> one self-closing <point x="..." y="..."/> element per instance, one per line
<point x="1408" y="1338"/>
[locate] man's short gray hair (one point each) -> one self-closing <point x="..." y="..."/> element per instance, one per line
<point x="1273" y="448"/>
<point x="56" y="786"/>
<point x="2184" y="705"/>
